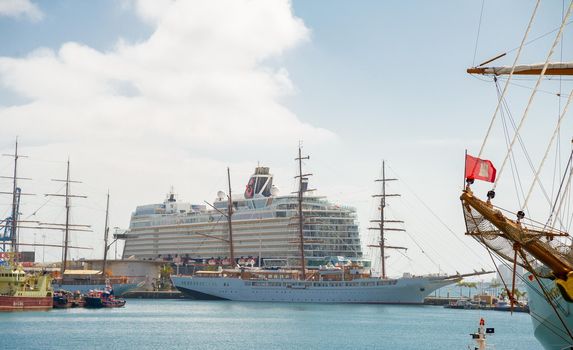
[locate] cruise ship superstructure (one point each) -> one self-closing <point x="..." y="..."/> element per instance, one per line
<point x="264" y="228"/>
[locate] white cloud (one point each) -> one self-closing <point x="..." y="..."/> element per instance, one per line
<point x="201" y="73"/>
<point x="20" y="8"/>
<point x="173" y="109"/>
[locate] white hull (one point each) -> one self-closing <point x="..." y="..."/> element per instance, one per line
<point x="370" y="290"/>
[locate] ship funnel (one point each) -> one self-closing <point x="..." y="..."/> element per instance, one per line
<point x="260" y="183"/>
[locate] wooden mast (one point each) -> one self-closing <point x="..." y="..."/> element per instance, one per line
<point x="301" y="177"/>
<point x="16" y="194"/>
<point x="67" y="226"/>
<point x="382" y="245"/>
<point x="14" y="202"/>
<point x="230" y="220"/>
<point x="105" y="235"/>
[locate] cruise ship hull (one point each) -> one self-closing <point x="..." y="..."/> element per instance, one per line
<point x="548" y="328"/>
<point x="15" y="303"/>
<point x="370" y="290"/>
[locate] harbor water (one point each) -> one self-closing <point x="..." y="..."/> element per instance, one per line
<point x="188" y="324"/>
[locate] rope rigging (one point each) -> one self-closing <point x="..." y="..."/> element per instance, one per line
<point x="509" y="77"/>
<point x="555" y="134"/>
<point x="533" y="93"/>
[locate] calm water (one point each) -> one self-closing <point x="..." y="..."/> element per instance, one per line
<point x="186" y="324"/>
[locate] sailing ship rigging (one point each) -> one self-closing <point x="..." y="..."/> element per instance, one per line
<point x="348" y="282"/>
<point x="382" y="228"/>
<point x="543" y="249"/>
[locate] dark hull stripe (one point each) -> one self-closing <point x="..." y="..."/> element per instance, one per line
<point x="193" y="294"/>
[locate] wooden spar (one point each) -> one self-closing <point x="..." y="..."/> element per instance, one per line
<point x="229" y="219"/>
<point x="492" y="59"/>
<point x="565" y="68"/>
<point x="52" y="245"/>
<point x="513" y="232"/>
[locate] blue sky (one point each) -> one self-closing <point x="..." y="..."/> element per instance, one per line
<point x="385" y="79"/>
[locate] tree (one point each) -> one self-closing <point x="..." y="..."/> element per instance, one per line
<point x="468" y="285"/>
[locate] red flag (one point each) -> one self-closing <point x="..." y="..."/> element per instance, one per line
<point x="479" y="169"/>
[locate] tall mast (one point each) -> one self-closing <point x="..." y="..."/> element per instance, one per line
<point x="16" y="194"/>
<point x="382" y="206"/>
<point x="67" y="226"/>
<point x="381" y="227"/>
<point x="230" y="219"/>
<point x="15" y="202"/>
<point x="301" y="180"/>
<point x="105" y="235"/>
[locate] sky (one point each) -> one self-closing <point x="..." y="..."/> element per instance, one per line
<point x="146" y="95"/>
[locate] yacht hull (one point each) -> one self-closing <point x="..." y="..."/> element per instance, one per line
<point x="370" y="290"/>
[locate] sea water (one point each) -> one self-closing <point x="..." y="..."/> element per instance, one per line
<point x="188" y="324"/>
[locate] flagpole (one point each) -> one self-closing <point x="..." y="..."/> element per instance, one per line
<point x="465" y="160"/>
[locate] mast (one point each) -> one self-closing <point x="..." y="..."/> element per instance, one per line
<point x="67" y="226"/>
<point x="381" y="227"/>
<point x="105" y="235"/>
<point x="230" y="219"/>
<point x="16" y="194"/>
<point x="301" y="181"/>
<point x="15" y="202"/>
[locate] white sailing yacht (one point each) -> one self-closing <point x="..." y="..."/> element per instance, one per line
<point x="350" y="283"/>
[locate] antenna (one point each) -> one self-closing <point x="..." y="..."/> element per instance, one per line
<point x="381" y="227"/>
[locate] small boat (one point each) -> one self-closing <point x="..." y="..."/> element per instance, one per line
<point x="78" y="299"/>
<point x="62" y="299"/>
<point x="100" y="299"/>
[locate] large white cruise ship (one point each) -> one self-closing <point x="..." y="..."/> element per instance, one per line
<point x="264" y="229"/>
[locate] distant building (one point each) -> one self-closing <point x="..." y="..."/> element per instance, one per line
<point x="506" y="274"/>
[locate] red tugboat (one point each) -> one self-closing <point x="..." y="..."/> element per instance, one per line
<point x="105" y="298"/>
<point x="21" y="291"/>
